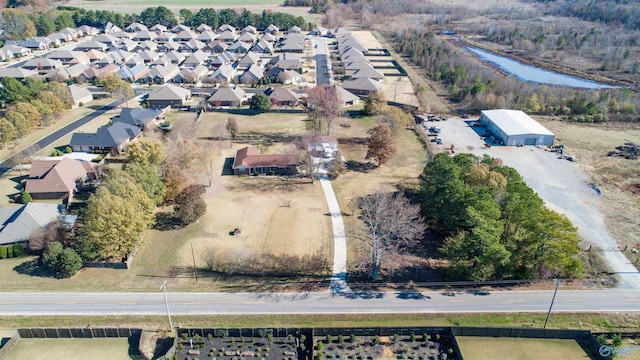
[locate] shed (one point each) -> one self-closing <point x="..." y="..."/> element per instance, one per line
<point x="514" y="128"/>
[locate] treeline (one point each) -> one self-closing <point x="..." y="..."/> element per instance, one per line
<point x="240" y="20"/>
<point x="481" y="87"/>
<point x="623" y="13"/>
<point x="29" y="105"/>
<point x="494" y="225"/>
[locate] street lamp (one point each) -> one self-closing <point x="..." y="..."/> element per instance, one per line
<point x="166" y="304"/>
<point x="552" y="301"/>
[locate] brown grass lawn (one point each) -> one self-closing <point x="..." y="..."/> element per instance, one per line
<point x="519" y="348"/>
<point x="70" y="349"/>
<point x="590" y="144"/>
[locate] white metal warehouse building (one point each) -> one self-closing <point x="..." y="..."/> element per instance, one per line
<point x="514" y="127"/>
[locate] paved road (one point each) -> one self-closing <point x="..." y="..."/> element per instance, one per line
<point x="317" y="303"/>
<point x="322" y="61"/>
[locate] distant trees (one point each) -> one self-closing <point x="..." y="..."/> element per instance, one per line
<point x="260" y="103"/>
<point x="158" y="15"/>
<point x="495" y="226"/>
<point x="391" y="225"/>
<point x="324" y="106"/>
<point x="381" y="145"/>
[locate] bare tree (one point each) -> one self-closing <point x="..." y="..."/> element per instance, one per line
<point x="232" y="127"/>
<point x="390" y="226"/>
<point x="324" y="105"/>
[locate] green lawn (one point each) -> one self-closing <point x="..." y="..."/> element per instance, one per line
<point x="71" y="349"/>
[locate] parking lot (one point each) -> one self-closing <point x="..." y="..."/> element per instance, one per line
<point x="562" y="184"/>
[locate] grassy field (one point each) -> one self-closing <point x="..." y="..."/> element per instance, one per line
<point x="519" y="348"/>
<point x="613" y="175"/>
<point x="614" y="322"/>
<point x="70" y="349"/>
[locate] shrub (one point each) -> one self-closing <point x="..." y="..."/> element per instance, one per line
<point x="320" y="346"/>
<point x="18" y="250"/>
<point x="329" y="339"/>
<point x="616" y="340"/>
<point x="68" y="149"/>
<point x="10" y="251"/>
<point x="340" y="338"/>
<point x="3" y="252"/>
<point x="396" y="338"/>
<point x="25" y="197"/>
<point x="352" y="338"/>
<point x="413" y="337"/>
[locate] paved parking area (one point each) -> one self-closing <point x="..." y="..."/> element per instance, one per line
<point x="562" y="184"/>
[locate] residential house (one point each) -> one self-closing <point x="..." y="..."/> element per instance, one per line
<point x="58" y="179"/>
<point x="281" y="96"/>
<point x="17" y="224"/>
<point x="294" y="30"/>
<point x="224" y="58"/>
<point x="107" y="39"/>
<point x="216" y="46"/>
<point x="66" y="73"/>
<point x="268" y="38"/>
<point x="80" y="95"/>
<point x="122" y="35"/>
<point x="180" y="28"/>
<point x="164" y="37"/>
<point x="184" y="36"/>
<point x="262" y="46"/>
<point x="338" y="32"/>
<point x="196" y="59"/>
<point x="191" y="76"/>
<point x="363" y="70"/>
<point x="112" y="138"/>
<point x="248" y="60"/>
<point x="286" y="61"/>
<point x="149" y="56"/>
<point x="72" y="33"/>
<point x="158" y="28"/>
<point x="16" y="50"/>
<point x="323" y="146"/>
<point x="133" y="73"/>
<point x="176" y="57"/>
<point x="169" y="47"/>
<point x="161" y="74"/>
<point x="136" y="27"/>
<point x="203" y="28"/>
<point x="362" y="86"/>
<point x="91" y="45"/>
<point x="318" y="31"/>
<point x="168" y="95"/>
<point x="139" y="117"/>
<point x="249" y="161"/>
<point x="145" y="35"/>
<point x="127" y="44"/>
<point x="136" y="59"/>
<point x="271" y="29"/>
<point x="88" y="30"/>
<point x="223" y="74"/>
<point x="163" y="60"/>
<point x="249" y="29"/>
<point x="35" y="43"/>
<point x="228" y="36"/>
<point x="16" y="73"/>
<point x="69" y="57"/>
<point x="239" y="47"/>
<point x="247" y="37"/>
<point x="42" y="64"/>
<point x="5" y="54"/>
<point x="111" y="28"/>
<point x="252" y="75"/>
<point x="192" y="45"/>
<point x="207" y="36"/>
<point x="93" y="73"/>
<point x="227" y="96"/>
<point x="147" y="45"/>
<point x="285" y="76"/>
<point x="225" y="27"/>
<point x="56" y="39"/>
<point x="94" y="55"/>
<point x="346" y="98"/>
<point x="293" y="42"/>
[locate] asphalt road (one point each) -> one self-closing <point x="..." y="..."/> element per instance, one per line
<point x="322" y="62"/>
<point x="317" y="303"/>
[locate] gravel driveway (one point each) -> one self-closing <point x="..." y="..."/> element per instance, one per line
<point x="562" y="184"/>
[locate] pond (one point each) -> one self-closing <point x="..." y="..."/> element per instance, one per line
<point x="534" y="74"/>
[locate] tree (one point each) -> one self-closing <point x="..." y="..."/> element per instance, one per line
<point x="189" y="205"/>
<point x="61" y="92"/>
<point x="64" y="20"/>
<point x="7" y="132"/>
<point x="117" y="87"/>
<point x="381" y="144"/>
<point x="30" y="113"/>
<point x="390" y="226"/>
<point x="45" y="24"/>
<point x="19" y="122"/>
<point x="17" y="25"/>
<point x="145" y="150"/>
<point x="115" y="218"/>
<point x="158" y="15"/>
<point x="52" y="102"/>
<point x="64" y="262"/>
<point x="397" y="118"/>
<point x="147" y="175"/>
<point x="232" y="127"/>
<point x="206" y="16"/>
<point x="324" y="105"/>
<point x="186" y="16"/>
<point x="12" y="91"/>
<point x="175" y="181"/>
<point x="374" y="103"/>
<point x="260" y="102"/>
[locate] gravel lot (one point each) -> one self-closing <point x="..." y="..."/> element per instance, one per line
<point x="562" y="184"/>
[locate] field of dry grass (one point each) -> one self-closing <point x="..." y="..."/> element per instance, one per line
<point x="519" y="348"/>
<point x="613" y="175"/>
<point x="71" y="349"/>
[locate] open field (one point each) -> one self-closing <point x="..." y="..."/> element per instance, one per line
<point x="609" y="322"/>
<point x="473" y="348"/>
<point x="70" y="349"/>
<point x="255" y="6"/>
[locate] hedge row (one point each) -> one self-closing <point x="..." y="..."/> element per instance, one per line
<point x="10" y="251"/>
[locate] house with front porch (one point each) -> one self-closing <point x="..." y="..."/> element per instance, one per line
<point x="249" y="161"/>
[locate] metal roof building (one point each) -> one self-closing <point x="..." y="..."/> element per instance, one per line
<point x="514" y="128"/>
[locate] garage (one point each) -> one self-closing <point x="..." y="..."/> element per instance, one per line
<point x="515" y="128"/>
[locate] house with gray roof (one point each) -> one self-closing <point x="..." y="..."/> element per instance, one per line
<point x="168" y="46"/>
<point x="262" y="46"/>
<point x="223" y="74"/>
<point x="225" y="27"/>
<point x="228" y="36"/>
<point x="107" y="39"/>
<point x="136" y="59"/>
<point x="110" y="28"/>
<point x="169" y="95"/>
<point x="362" y="86"/>
<point x="192" y="45"/>
<point x="80" y="95"/>
<point x="185" y="35"/>
<point x="271" y="29"/>
<point x="17" y="73"/>
<point x="133" y="73"/>
<point x="161" y="74"/>
<point x="250" y="59"/>
<point x="145" y="35"/>
<point x="147" y="45"/>
<point x="207" y="36"/>
<point x="176" y="57"/>
<point x="227" y="96"/>
<point x="17" y="224"/>
<point x="179" y="28"/>
<point x="252" y="75"/>
<point x="136" y="27"/>
<point x="203" y="28"/>
<point x="158" y="28"/>
<point x="35" y="43"/>
<point x="88" y="30"/>
<point x="91" y="45"/>
<point x="197" y="58"/>
<point x="224" y="58"/>
<point x="286" y="61"/>
<point x="140" y="117"/>
<point x="42" y="64"/>
<point x="363" y="70"/>
<point x="282" y="96"/>
<point x="16" y="50"/>
<point x="247" y="37"/>
<point x="69" y="56"/>
<point x="191" y="75"/>
<point x="216" y="46"/>
<point x="165" y="37"/>
<point x="149" y="56"/>
<point x="114" y="138"/>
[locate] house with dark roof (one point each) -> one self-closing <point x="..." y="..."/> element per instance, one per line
<point x="114" y="138"/>
<point x="249" y="161"/>
<point x="227" y="96"/>
<point x="57" y="179"/>
<point x="140" y="117"/>
<point x="17" y="224"/>
<point x="169" y="95"/>
<point x="281" y="96"/>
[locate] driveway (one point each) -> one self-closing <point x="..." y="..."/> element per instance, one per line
<point x="322" y="61"/>
<point x="562" y="185"/>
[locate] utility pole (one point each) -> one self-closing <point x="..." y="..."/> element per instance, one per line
<point x="195" y="269"/>
<point x="552" y="301"/>
<point x="166" y="304"/>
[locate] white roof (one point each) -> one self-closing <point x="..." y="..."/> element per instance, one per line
<point x="515" y="122"/>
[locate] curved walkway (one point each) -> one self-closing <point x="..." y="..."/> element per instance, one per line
<point x="339" y="272"/>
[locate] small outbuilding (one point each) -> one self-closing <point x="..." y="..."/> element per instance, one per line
<point x="515" y="128"/>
